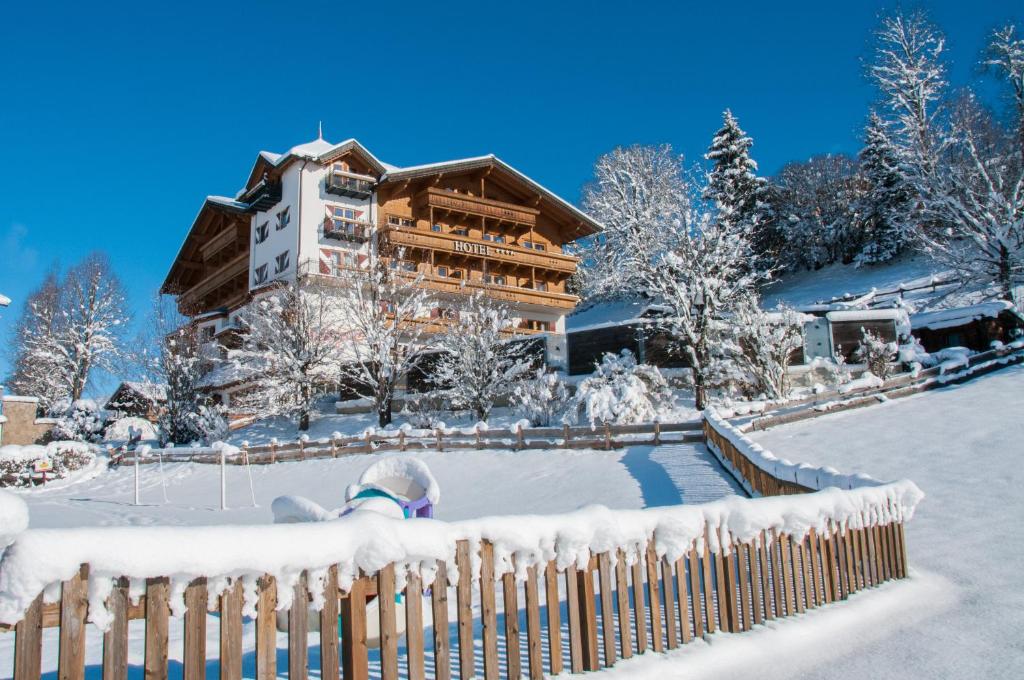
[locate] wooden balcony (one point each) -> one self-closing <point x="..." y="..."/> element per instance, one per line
<point x="510" y="294"/>
<point x="264" y="195"/>
<point x="452" y="201"/>
<point x="348" y="184"/>
<point x="356" y="232"/>
<point x="471" y="247"/>
<point x="226" y="275"/>
<point x="226" y="244"/>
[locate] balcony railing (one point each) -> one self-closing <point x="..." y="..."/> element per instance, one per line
<point x="263" y="195"/>
<point x="346" y="184"/>
<point x="474" y="205"/>
<point x="465" y="246"/>
<point x="347" y="231"/>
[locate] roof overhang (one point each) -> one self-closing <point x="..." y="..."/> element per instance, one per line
<point x="210" y="206"/>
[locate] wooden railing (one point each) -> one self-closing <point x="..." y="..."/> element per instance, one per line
<point x="520" y="438"/>
<point x="575" y="613"/>
<point x="588" y="617"/>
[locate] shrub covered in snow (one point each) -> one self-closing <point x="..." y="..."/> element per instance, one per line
<point x="81" y="420"/>
<point x="543" y="400"/>
<point x="16" y="462"/>
<point x="424" y="411"/>
<point x="876" y="353"/>
<point x="621" y="391"/>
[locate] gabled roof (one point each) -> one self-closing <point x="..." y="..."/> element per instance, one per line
<point x="210" y="204"/>
<point x="490" y="160"/>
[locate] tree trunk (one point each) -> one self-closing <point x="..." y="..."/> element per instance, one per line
<point x="304" y="421"/>
<point x="384" y="411"/>
<point x="1005" y="277"/>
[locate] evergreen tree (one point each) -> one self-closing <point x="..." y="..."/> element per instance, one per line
<point x="734" y="188"/>
<point x="888" y="200"/>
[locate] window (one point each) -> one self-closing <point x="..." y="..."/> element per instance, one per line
<point x="441" y="270"/>
<point x="455" y="274"/>
<point x="206" y="333"/>
<point x="262" y="232"/>
<point x="540" y="285"/>
<point x="498" y="280"/>
<point x="283" y="219"/>
<point x="534" y="325"/>
<point x="260" y="275"/>
<point x="404" y="222"/>
<point x="339" y="260"/>
<point x="435" y="227"/>
<point x="534" y="245"/>
<point x="403" y="265"/>
<point x="345" y="213"/>
<point x="281" y="262"/>
<point x="461" y="231"/>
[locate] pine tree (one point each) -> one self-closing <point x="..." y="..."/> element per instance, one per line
<point x="733" y="185"/>
<point x="887" y="203"/>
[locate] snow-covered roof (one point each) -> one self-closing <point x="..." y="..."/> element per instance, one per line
<point x="950" y="318"/>
<point x="16" y="397"/>
<point x="227" y="202"/>
<point x="865" y="315"/>
<point x="607" y="314"/>
<point x="153" y="391"/>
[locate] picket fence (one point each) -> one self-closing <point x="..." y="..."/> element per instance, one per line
<point x="570" y="620"/>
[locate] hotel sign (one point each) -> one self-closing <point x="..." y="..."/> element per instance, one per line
<point x="481" y="249"/>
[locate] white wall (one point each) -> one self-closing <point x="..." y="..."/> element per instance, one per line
<point x="278" y="241"/>
<point x="315" y="202"/>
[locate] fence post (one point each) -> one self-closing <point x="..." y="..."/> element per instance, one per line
<point x="657" y="433"/>
<point x="369" y="442"/>
<point x="520" y="444"/>
<point x="565" y="435"/>
<point x="334" y="446"/>
<point x="302" y="449"/>
<point x="476" y="433"/>
<point x="273" y="450"/>
<point x="437" y="434"/>
<point x="607" y="437"/>
<point x="401" y="440"/>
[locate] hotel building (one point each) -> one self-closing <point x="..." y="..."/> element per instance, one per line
<point x="462" y="225"/>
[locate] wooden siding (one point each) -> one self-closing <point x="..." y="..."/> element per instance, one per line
<point x="648" y="345"/>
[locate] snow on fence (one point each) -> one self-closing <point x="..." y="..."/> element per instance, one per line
<point x="588" y="587"/>
<point x="516" y="437"/>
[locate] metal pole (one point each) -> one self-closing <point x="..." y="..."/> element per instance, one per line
<point x="135" y="454"/>
<point x="223" y="480"/>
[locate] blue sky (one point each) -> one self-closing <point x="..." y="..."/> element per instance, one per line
<point x="117" y="121"/>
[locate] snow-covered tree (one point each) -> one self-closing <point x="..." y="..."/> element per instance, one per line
<point x="382" y="309"/>
<point x="36" y="355"/>
<point x="699" y="283"/>
<point x="94" y="318"/>
<point x="885" y="208"/>
<point x="478" y="362"/>
<point x="620" y="391"/>
<point x="544" y="399"/>
<point x="876" y="353"/>
<point x="733" y="187"/>
<point x="640" y="196"/>
<point x="70" y="328"/>
<point x="761" y="347"/>
<point x="910" y="72"/>
<point x="291" y="345"/>
<point x="815" y="203"/>
<point x="966" y="169"/>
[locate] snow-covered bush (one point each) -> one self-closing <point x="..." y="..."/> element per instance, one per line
<point x="210" y="424"/>
<point x="80" y="421"/>
<point x="758" y="349"/>
<point x="876" y="353"/>
<point x="621" y="391"/>
<point x="424" y="411"/>
<point x="16" y="462"/>
<point x="544" y="400"/>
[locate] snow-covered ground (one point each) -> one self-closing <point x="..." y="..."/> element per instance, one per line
<point x="961" y="612"/>
<point x="802" y="288"/>
<point x="473" y="484"/>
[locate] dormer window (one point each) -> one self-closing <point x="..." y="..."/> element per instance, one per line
<point x="262" y="232"/>
<point x="260" y="275"/>
<point x="281" y="262"/>
<point x="283" y="218"/>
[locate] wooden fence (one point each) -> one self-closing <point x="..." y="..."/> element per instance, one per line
<point x="553" y="621"/>
<point x="521" y="438"/>
<point x="575" y="620"/>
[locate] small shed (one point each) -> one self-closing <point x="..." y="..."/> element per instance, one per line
<point x="975" y="327"/>
<point x="839" y="331"/>
<point x="614" y="326"/>
<point x="137" y="399"/>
